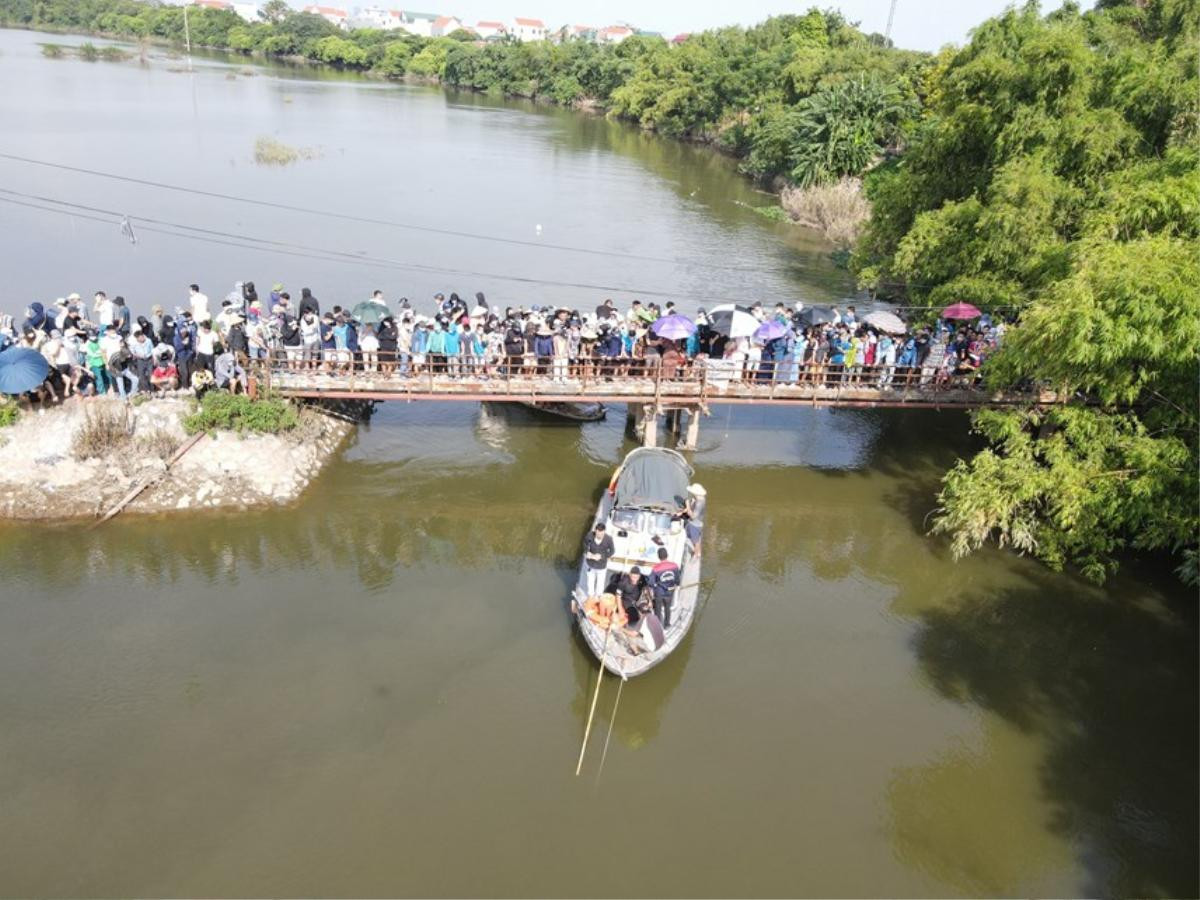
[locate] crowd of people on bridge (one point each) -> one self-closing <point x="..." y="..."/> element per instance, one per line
<point x="100" y="346"/>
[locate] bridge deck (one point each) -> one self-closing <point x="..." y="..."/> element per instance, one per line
<point x="693" y="389"/>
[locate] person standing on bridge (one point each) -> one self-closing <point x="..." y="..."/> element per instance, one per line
<point x="453" y="344"/>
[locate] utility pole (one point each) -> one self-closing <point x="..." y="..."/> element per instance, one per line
<point x="887" y="32"/>
<point x="187" y="32"/>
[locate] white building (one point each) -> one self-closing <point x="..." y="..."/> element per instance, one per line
<point x="614" y="34"/>
<point x="330" y="14"/>
<point x="487" y="30"/>
<point x="248" y="11"/>
<point x="529" y="29"/>
<point x="444" y="25"/>
<point x="417" y="22"/>
<point x="377" y="17"/>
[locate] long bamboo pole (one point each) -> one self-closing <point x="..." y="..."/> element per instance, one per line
<point x="595" y="696"/>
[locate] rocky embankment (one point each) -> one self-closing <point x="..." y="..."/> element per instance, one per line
<point x="84" y="457"/>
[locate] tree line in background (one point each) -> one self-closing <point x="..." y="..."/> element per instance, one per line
<point x="1047" y="168"/>
<point x="805" y="99"/>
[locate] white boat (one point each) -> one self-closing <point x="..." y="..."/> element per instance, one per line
<point x="649" y="504"/>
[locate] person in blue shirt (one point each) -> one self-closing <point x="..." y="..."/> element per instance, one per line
<point x="435" y="349"/>
<point x="838" y="345"/>
<point x="453" y="345"/>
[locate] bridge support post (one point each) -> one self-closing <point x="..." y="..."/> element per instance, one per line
<point x="693" y="429"/>
<point x="649" y="426"/>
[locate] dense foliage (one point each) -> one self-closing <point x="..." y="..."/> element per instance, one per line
<point x="222" y="411"/>
<point x="1055" y="173"/>
<point x="804" y="98"/>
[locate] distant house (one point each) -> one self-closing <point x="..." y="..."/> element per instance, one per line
<point x="330" y="14"/>
<point x="212" y="4"/>
<point x="488" y="30"/>
<point x="681" y="37"/>
<point x="584" y="32"/>
<point x="444" y="25"/>
<point x="417" y="22"/>
<point x="376" y="17"/>
<point x="614" y="34"/>
<point x="529" y="29"/>
<point x="248" y="11"/>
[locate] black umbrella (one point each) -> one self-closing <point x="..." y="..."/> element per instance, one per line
<point x="816" y="315"/>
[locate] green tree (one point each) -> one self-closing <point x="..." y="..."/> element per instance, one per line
<point x="1056" y="172"/>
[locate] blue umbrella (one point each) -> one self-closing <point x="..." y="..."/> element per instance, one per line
<point x="674" y="327"/>
<point x="770" y="330"/>
<point x="21" y="370"/>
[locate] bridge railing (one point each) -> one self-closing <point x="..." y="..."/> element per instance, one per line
<point x="659" y="380"/>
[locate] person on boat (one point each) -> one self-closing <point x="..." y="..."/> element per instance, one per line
<point x="629" y="589"/>
<point x="598" y="548"/>
<point x="664" y="580"/>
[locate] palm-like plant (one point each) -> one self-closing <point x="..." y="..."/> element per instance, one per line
<point x="841" y="129"/>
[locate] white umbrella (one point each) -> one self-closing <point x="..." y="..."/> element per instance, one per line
<point x="885" y="321"/>
<point x="732" y="321"/>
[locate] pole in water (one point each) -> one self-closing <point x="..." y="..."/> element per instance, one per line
<point x="611" y="722"/>
<point x="595" y="696"/>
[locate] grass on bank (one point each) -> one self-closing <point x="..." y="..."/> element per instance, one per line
<point x="219" y="411"/>
<point x="104" y="433"/>
<point x="9" y="413"/>
<point x="839" y="210"/>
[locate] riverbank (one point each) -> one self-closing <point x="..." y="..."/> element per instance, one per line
<point x="82" y="458"/>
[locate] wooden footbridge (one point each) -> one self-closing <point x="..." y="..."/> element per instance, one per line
<point x="649" y="392"/>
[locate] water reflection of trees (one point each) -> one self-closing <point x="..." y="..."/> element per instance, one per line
<point x="1108" y="688"/>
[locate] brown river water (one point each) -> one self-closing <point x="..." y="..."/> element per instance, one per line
<point x="378" y="691"/>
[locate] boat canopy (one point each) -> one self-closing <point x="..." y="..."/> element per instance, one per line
<point x="653" y="478"/>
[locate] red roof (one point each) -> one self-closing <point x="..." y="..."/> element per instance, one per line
<point x="680" y="38"/>
<point x="616" y="29"/>
<point x="211" y="4"/>
<point x="443" y="21"/>
<point x="530" y="23"/>
<point x="580" y="29"/>
<point x="326" y="11"/>
<point x="499" y="25"/>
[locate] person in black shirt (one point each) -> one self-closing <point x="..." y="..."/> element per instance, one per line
<point x="597" y="550"/>
<point x="629" y="592"/>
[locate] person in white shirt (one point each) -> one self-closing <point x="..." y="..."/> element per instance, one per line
<point x="206" y="346"/>
<point x="199" y="304"/>
<point x="103" y="308"/>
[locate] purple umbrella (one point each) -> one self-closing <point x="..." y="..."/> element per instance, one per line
<point x="674" y="328"/>
<point x="770" y="330"/>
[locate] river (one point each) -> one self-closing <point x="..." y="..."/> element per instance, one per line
<point x="378" y="691"/>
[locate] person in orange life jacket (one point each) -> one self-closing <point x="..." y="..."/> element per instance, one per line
<point x="664" y="579"/>
<point x="597" y="549"/>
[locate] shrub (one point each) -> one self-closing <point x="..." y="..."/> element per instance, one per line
<point x="89" y="51"/>
<point x="395" y="59"/>
<point x="158" y="443"/>
<point x="270" y="152"/>
<point x="113" y="54"/>
<point x="340" y="52"/>
<point x="839" y="210"/>
<point x="220" y="411"/>
<point x="9" y="413"/>
<point x="103" y="433"/>
<point x="52" y="51"/>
